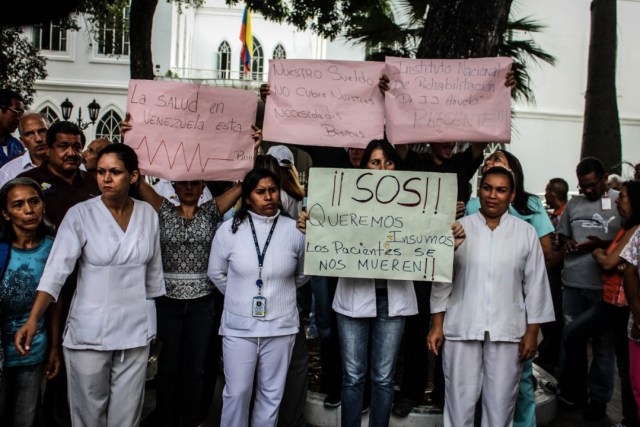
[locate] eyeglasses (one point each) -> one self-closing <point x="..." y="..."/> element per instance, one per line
<point x="18" y="113"/>
<point x="591" y="186"/>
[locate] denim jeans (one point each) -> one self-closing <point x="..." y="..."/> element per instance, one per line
<point x="185" y="329"/>
<point x="19" y="394"/>
<point x="576" y="377"/>
<point x="601" y="318"/>
<point x="385" y="334"/>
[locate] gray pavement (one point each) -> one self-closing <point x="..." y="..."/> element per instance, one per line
<point x="548" y="413"/>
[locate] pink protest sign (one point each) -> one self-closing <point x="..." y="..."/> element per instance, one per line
<point x="328" y="103"/>
<point x="439" y="100"/>
<point x="184" y="131"/>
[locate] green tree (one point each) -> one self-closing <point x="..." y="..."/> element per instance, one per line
<point x="401" y="33"/>
<point x="20" y="63"/>
<point x="601" y="128"/>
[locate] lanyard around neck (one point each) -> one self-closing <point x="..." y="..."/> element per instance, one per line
<point x="264" y="249"/>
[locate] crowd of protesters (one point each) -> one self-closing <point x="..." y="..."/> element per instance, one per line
<point x="96" y="265"/>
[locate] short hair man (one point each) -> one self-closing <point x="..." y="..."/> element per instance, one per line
<point x="33" y="132"/>
<point x="11" y="109"/>
<point x="491" y="314"/>
<point x="63" y="182"/>
<point x="90" y="154"/>
<point x="590" y="220"/>
<point x="555" y="195"/>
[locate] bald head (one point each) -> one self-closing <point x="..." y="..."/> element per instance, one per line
<point x="90" y="154"/>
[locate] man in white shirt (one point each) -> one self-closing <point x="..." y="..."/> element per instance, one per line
<point x="33" y="131"/>
<point x="494" y="308"/>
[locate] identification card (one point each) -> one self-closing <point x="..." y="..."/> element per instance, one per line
<point x="606" y="203"/>
<point x="259" y="306"/>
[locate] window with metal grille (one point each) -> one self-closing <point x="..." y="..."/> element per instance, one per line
<point x="224" y="61"/>
<point x="49" y="36"/>
<point x="113" y="34"/>
<point x="50" y="114"/>
<point x="108" y="126"/>
<point x="257" y="63"/>
<point x="279" y="52"/>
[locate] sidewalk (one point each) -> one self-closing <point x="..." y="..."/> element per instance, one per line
<point x="319" y="416"/>
<point x="547" y="412"/>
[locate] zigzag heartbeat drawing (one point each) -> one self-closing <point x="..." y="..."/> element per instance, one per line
<point x="180" y="147"/>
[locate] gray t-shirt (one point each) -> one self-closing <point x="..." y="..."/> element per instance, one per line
<point x="580" y="219"/>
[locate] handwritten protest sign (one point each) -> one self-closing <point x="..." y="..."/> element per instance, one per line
<point x="328" y="103"/>
<point x="189" y="132"/>
<point x="437" y="100"/>
<point x="380" y="224"/>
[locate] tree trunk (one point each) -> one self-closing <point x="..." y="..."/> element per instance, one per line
<point x="141" y="24"/>
<point x="601" y="130"/>
<point x="464" y="28"/>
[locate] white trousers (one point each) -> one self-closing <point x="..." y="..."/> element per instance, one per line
<point x="106" y="388"/>
<point x="266" y="359"/>
<point x="471" y="367"/>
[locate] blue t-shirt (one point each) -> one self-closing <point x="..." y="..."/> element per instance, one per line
<point x="539" y="218"/>
<point x="17" y="295"/>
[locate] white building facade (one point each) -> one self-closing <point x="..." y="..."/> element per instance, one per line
<point x="202" y="45"/>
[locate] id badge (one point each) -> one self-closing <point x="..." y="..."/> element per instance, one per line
<point x="259" y="306"/>
<point x="606" y="203"/>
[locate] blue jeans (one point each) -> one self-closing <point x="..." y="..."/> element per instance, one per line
<point x="185" y="329"/>
<point x="386" y="334"/>
<point x="19" y="394"/>
<point x="576" y="377"/>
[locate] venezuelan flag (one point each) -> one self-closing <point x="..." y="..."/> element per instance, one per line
<point x="247" y="40"/>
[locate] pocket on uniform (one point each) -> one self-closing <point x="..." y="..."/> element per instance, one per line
<point x="85" y="326"/>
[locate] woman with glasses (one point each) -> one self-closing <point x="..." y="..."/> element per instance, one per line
<point x="372" y="312"/>
<point x="11" y="109"/>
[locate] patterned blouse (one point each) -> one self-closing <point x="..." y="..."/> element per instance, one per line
<point x="186" y="245"/>
<point x="631" y="253"/>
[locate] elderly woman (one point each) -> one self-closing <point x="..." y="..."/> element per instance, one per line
<point x="24" y="248"/>
<point x="257" y="261"/>
<point x="114" y="240"/>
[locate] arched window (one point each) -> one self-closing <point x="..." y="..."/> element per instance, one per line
<point x="257" y="63"/>
<point x="224" y="61"/>
<point x="109" y="126"/>
<point x="279" y="52"/>
<point x="50" y="114"/>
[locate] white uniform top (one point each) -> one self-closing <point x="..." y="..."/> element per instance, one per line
<point x="164" y="188"/>
<point x="500" y="282"/>
<point x="357" y="297"/>
<point x="15" y="167"/>
<point x="233" y="268"/>
<point x="118" y="274"/>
